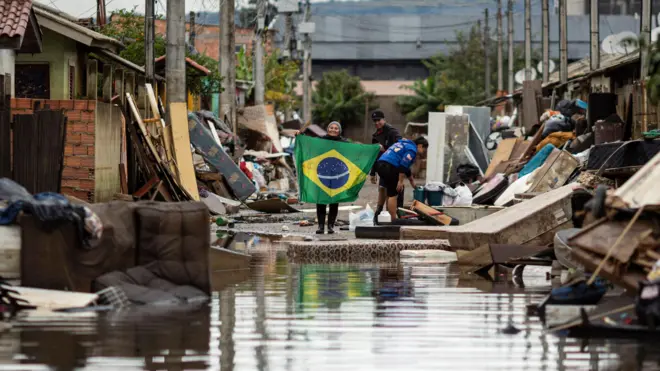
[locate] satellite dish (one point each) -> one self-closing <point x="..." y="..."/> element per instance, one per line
<point x="520" y="75"/>
<point x="623" y="45"/>
<point x="551" y="66"/>
<point x="654" y="34"/>
<point x="608" y="44"/>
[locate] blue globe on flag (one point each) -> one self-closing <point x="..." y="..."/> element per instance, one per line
<point x="333" y="172"/>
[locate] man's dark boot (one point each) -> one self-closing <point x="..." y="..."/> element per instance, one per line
<point x="321" y="229"/>
<point x="331" y="228"/>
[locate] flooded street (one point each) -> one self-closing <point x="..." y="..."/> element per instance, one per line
<point x="320" y="317"/>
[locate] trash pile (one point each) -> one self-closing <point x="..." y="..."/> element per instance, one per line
<point x="228" y="166"/>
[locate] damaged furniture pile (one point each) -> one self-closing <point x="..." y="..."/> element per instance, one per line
<point x="209" y="161"/>
<point x="124" y="253"/>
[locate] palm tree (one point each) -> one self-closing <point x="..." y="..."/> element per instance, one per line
<point x="427" y="98"/>
<point x="339" y="97"/>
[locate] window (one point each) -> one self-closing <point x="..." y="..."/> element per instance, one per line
<point x="32" y="81"/>
<point x="72" y="82"/>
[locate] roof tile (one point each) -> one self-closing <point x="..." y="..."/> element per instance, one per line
<point x="14" y="17"/>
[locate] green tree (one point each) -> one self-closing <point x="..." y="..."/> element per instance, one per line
<point x="280" y="77"/>
<point x="457" y="77"/>
<point x="127" y="26"/>
<point x="339" y="97"/>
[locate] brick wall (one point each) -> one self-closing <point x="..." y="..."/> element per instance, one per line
<point x="78" y="173"/>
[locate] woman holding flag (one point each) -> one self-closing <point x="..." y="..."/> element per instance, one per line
<point x="331" y="171"/>
<point x="334" y="133"/>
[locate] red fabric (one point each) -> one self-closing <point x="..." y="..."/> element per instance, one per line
<point x="245" y="170"/>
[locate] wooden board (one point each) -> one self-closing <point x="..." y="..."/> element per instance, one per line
<point x="502" y="153"/>
<point x="432" y="214"/>
<point x="53" y="299"/>
<point x="107" y="152"/>
<point x="167" y="130"/>
<point x="530" y="112"/>
<point x="599" y="237"/>
<point x="178" y="113"/>
<point x="554" y="172"/>
<point x="10" y="251"/>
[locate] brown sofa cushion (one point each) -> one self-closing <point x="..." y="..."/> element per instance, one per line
<point x="174" y="242"/>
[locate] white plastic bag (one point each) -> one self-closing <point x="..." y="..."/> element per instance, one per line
<point x="464" y="196"/>
<point x="363" y="218"/>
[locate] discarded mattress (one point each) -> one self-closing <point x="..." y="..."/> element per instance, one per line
<point x="533" y="221"/>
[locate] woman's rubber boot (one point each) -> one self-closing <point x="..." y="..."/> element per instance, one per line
<point x="321" y="229"/>
<point x="331" y="229"/>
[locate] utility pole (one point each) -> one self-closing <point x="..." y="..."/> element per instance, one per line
<point x="307" y="69"/>
<point x="500" y="72"/>
<point x="646" y="39"/>
<point x="192" y="32"/>
<point x="288" y="35"/>
<point x="227" y="63"/>
<point x="528" y="39"/>
<point x="486" y="55"/>
<point x="259" y="75"/>
<point x="563" y="56"/>
<point x="175" y="64"/>
<point x="545" y="18"/>
<point x="509" y="18"/>
<point x="149" y="40"/>
<point x="594" y="39"/>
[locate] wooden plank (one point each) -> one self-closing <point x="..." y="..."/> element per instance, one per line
<point x="143" y="129"/>
<point x="119" y="79"/>
<point x="123" y="179"/>
<point x="107" y="82"/>
<point x="10" y="251"/>
<point x="432" y="214"/>
<point x="167" y="131"/>
<point x="554" y="172"/>
<point x="146" y="187"/>
<point x="502" y="153"/>
<point x="92" y="79"/>
<point x="178" y="113"/>
<point x="107" y="145"/>
<point x="531" y="89"/>
<point x="53" y="299"/>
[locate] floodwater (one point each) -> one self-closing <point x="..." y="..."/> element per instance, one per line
<point x="281" y="316"/>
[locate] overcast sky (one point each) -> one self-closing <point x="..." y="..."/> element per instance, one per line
<point x="87" y="8"/>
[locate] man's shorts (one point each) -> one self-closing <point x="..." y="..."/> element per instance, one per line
<point x="389" y="177"/>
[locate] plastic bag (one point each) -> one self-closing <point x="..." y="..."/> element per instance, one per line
<point x="363" y="218"/>
<point x="459" y="196"/>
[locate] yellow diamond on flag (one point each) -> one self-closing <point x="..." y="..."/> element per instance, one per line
<point x="332" y="172"/>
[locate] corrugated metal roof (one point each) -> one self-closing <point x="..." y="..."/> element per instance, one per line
<point x="381" y="88"/>
<point x="405" y="37"/>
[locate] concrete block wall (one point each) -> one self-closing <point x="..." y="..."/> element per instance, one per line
<point x="78" y="174"/>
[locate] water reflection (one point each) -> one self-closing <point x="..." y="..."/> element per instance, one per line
<point x="321" y="317"/>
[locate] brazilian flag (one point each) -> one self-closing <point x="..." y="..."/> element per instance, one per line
<point x="330" y="171"/>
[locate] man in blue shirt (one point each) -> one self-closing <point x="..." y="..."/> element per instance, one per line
<point x="392" y="167"/>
